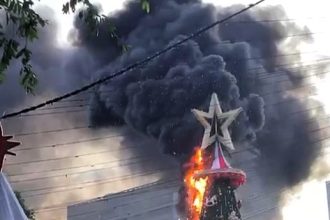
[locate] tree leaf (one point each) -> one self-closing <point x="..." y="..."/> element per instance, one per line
<point x="73" y="4"/>
<point x="66" y="8"/>
<point x="28" y="80"/>
<point x="32" y="34"/>
<point x="11" y="6"/>
<point x="20" y="53"/>
<point x="145" y="5"/>
<point x="2" y="77"/>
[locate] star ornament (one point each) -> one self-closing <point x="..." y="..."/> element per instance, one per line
<point x="5" y="146"/>
<point x="218" y="128"/>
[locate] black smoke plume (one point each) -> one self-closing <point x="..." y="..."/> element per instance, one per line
<point x="238" y="60"/>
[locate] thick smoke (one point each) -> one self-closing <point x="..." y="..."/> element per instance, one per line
<point x="55" y="67"/>
<point x="157" y="98"/>
<point x="58" y="70"/>
<point x="237" y="60"/>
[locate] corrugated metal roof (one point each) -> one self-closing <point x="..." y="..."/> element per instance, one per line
<point x="158" y="200"/>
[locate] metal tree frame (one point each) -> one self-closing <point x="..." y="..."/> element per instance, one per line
<point x="219" y="202"/>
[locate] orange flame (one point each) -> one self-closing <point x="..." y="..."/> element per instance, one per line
<point x="195" y="187"/>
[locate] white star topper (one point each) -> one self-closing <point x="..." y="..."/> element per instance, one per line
<point x="221" y="132"/>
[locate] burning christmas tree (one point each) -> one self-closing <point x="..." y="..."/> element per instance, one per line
<point x="210" y="181"/>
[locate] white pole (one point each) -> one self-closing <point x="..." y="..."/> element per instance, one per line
<point x="328" y="197"/>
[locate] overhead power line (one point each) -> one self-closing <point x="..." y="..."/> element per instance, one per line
<point x="73" y="142"/>
<point x="320" y="74"/>
<point x="73" y="109"/>
<point x="23" y="134"/>
<point x="301" y="111"/>
<point x="75" y="167"/>
<point x="167" y="182"/>
<point x="268" y="93"/>
<point x="318" y="129"/>
<point x="60" y="130"/>
<point x="61" y="189"/>
<point x="267" y="74"/>
<point x="260" y="74"/>
<point x="131" y="160"/>
<point x="64" y="188"/>
<point x="91" y="183"/>
<point x="88" y="183"/>
<point x="68" y="175"/>
<point x="132" y="66"/>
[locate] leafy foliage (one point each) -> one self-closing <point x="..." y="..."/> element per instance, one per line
<point x="93" y="18"/>
<point x="21" y="16"/>
<point x="145" y="5"/>
<point x="28" y="212"/>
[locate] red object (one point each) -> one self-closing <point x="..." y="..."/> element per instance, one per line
<point x="5" y="146"/>
<point x="236" y="176"/>
<point x="221" y="169"/>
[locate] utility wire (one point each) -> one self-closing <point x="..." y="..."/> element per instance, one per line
<point x="65" y="205"/>
<point x="103" y="181"/>
<point x="68" y="175"/>
<point x="169" y="182"/>
<point x="104" y="198"/>
<point x="277" y="91"/>
<point x="130" y="67"/>
<point x="119" y="135"/>
<point x="259" y="74"/>
<point x="54" y="130"/>
<point x="61" y="206"/>
<point x="129" y="159"/>
<point x="143" y="158"/>
<point x="307" y="67"/>
<point x="164" y="184"/>
<point x="281" y="90"/>
<point x="63" y="158"/>
<point x="74" y="167"/>
<point x="74" y="156"/>
<point x="92" y="183"/>
<point x="72" y="142"/>
<point x="320" y="74"/>
<point x="59" y="130"/>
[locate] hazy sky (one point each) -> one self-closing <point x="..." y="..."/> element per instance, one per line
<point x="294" y="8"/>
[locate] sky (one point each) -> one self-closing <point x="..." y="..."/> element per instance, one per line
<point x="314" y="14"/>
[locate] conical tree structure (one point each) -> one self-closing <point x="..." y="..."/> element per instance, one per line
<point x="219" y="202"/>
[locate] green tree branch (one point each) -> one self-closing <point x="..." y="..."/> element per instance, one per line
<point x="26" y="22"/>
<point x="28" y="212"/>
